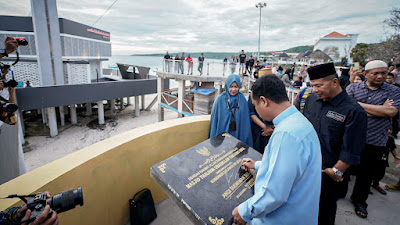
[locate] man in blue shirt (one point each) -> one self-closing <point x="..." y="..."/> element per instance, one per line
<point x="264" y="64"/>
<point x="288" y="182"/>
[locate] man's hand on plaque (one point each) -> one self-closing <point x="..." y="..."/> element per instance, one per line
<point x="247" y="164"/>
<point x="237" y="219"/>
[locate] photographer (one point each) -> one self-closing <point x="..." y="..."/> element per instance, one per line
<point x="7" y="96"/>
<point x="4" y="71"/>
<point x="13" y="215"/>
<point x="11" y="45"/>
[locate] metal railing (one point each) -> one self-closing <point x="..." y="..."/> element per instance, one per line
<point x="213" y="67"/>
<point x="216" y="67"/>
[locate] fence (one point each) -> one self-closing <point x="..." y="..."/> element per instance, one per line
<point x="216" y="67"/>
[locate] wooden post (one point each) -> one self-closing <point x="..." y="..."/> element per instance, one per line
<point x="181" y="95"/>
<point x="219" y="89"/>
<point x="112" y="107"/>
<point x="151" y="104"/>
<point x="143" y="104"/>
<point x="89" y="109"/>
<point x="62" y="115"/>
<point x="121" y="102"/>
<point x="44" y="116"/>
<point x="160" y="90"/>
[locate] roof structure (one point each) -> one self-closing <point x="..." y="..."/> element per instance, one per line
<point x="277" y="54"/>
<point x="283" y="55"/>
<point x="303" y="54"/>
<point x="335" y="34"/>
<point x="317" y="54"/>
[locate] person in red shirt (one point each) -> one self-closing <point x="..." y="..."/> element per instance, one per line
<point x="189" y="59"/>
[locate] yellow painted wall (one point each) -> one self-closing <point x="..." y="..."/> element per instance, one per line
<point x="111" y="171"/>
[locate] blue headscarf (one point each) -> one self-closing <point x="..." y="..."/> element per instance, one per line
<point x="221" y="114"/>
<point x="233" y="100"/>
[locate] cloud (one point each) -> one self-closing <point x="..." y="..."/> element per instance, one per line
<point x="220" y="25"/>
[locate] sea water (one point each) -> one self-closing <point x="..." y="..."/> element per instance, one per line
<point x="211" y="67"/>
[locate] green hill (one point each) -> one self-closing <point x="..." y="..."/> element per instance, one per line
<point x="299" y="49"/>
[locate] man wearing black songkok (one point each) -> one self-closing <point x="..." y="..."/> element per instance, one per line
<point x="341" y="127"/>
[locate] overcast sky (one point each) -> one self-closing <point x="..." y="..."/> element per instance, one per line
<point x="143" y="26"/>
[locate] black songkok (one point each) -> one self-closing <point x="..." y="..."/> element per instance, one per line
<point x="321" y="71"/>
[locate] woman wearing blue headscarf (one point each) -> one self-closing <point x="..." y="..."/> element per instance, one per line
<point x="230" y="113"/>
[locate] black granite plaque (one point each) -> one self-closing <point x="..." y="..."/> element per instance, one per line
<point x="205" y="180"/>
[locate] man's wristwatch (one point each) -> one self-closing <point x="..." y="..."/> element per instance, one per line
<point x="337" y="172"/>
<point x="3" y="52"/>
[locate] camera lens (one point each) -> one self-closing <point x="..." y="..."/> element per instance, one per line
<point x="22" y="42"/>
<point x="12" y="83"/>
<point x="10" y="107"/>
<point x="66" y="200"/>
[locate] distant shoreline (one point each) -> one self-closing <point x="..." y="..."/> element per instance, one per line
<point x="221" y="55"/>
<point x="215" y="55"/>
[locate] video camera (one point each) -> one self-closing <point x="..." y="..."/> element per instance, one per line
<point x="8" y="108"/>
<point x="59" y="203"/>
<point x="7" y="111"/>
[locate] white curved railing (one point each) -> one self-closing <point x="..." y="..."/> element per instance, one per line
<point x="211" y="67"/>
<point x="216" y="67"/>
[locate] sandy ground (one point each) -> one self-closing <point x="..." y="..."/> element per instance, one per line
<point x="44" y="149"/>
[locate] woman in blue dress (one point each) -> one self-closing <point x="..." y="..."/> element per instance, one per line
<point x="230" y="113"/>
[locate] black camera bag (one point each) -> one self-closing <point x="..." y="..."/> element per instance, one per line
<point x="142" y="208"/>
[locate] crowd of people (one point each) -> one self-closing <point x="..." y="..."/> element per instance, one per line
<point x="248" y="65"/>
<point x="347" y="126"/>
<point x="339" y="126"/>
<point x="179" y="60"/>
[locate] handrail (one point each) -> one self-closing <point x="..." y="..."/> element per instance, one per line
<point x="174" y="66"/>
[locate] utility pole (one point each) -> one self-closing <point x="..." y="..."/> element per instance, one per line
<point x="259" y="5"/>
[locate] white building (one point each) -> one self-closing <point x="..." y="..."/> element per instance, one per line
<point x="342" y="43"/>
<point x="83" y="50"/>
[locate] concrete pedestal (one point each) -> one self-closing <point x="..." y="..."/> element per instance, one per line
<point x="112" y="107"/>
<point x="137" y="110"/>
<point x="100" y="112"/>
<point x="51" y="112"/>
<point x="89" y="111"/>
<point x="74" y="118"/>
